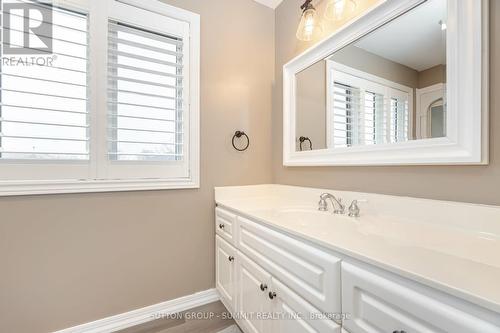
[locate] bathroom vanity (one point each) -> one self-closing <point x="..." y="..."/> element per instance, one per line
<point x="406" y="83"/>
<point x="404" y="265"/>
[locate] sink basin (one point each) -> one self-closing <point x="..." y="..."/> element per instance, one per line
<point x="430" y="237"/>
<point x="310" y="219"/>
<point x="474" y="246"/>
<point x="312" y="216"/>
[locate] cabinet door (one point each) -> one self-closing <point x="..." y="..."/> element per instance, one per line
<point x="293" y="314"/>
<point x="253" y="303"/>
<point x="225" y="272"/>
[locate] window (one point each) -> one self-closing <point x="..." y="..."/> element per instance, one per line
<point x="145" y="107"/>
<point x="364" y="109"/>
<point x="44" y="111"/>
<point x="75" y="119"/>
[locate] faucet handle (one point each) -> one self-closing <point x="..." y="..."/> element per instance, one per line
<point x="322" y="205"/>
<point x="354" y="208"/>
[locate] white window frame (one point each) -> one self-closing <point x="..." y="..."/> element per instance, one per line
<point x="104" y="175"/>
<point x="366" y="82"/>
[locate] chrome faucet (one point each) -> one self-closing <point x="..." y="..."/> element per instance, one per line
<point x="323" y="205"/>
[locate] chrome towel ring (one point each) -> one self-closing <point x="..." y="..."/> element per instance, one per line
<point x="305" y="138"/>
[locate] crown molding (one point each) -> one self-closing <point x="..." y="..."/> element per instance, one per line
<point x="270" y="3"/>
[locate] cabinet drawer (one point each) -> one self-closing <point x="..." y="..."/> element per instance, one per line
<point x="310" y="272"/>
<point x="225" y="223"/>
<point x="380" y="302"/>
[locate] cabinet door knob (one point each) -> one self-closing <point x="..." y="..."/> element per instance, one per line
<point x="263" y="286"/>
<point x="272" y="294"/>
<point x="231" y="258"/>
<point x="221" y="226"/>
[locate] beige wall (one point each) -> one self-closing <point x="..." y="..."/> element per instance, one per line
<point x="461" y="183"/>
<point x="71" y="259"/>
<point x="311" y="106"/>
<point x="368" y="62"/>
<point x="433" y="75"/>
<point x="371" y="63"/>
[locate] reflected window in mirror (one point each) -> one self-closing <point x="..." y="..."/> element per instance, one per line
<point x="364" y="109"/>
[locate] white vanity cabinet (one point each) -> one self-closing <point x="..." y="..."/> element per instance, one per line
<point x="273" y="282"/>
<point x="266" y="305"/>
<point x="309" y="271"/>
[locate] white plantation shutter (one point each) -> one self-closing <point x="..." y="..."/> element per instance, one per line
<point x="345" y="105"/>
<point x="44" y="113"/>
<point x="148" y="110"/>
<point x="145" y="95"/>
<point x="115" y="106"/>
<point x="379" y="120"/>
<point x="399" y="118"/>
<point x="357" y="115"/>
<point x="365" y="111"/>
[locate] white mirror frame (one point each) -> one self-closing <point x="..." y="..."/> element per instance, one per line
<point x="467" y="93"/>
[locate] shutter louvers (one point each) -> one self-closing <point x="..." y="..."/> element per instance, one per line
<point x="346" y="102"/>
<point x="44" y="112"/>
<point x="145" y="98"/>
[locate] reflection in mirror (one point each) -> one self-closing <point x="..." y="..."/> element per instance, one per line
<point x="437" y="119"/>
<point x="387" y="87"/>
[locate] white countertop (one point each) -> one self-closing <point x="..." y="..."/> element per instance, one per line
<point x="454" y="247"/>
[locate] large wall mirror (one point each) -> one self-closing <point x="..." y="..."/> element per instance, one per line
<point x="406" y="83"/>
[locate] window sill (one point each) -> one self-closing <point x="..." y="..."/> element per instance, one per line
<point x="8" y="188"/>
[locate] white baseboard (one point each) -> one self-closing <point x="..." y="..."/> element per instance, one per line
<point x="144" y="315"/>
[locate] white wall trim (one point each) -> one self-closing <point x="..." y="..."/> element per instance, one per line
<point x="146" y="314"/>
<point x="271" y="3"/>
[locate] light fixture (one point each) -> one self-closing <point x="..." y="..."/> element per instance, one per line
<point x="336" y="10"/>
<point x="309" y="27"/>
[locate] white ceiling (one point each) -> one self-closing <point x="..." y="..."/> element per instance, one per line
<point x="415" y="39"/>
<point x="270" y="3"/>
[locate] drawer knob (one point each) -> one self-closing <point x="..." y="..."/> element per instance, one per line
<point x="231" y="258"/>
<point x="221" y="226"/>
<point x="263" y="286"/>
<point x="399" y="332"/>
<point x="272" y="294"/>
